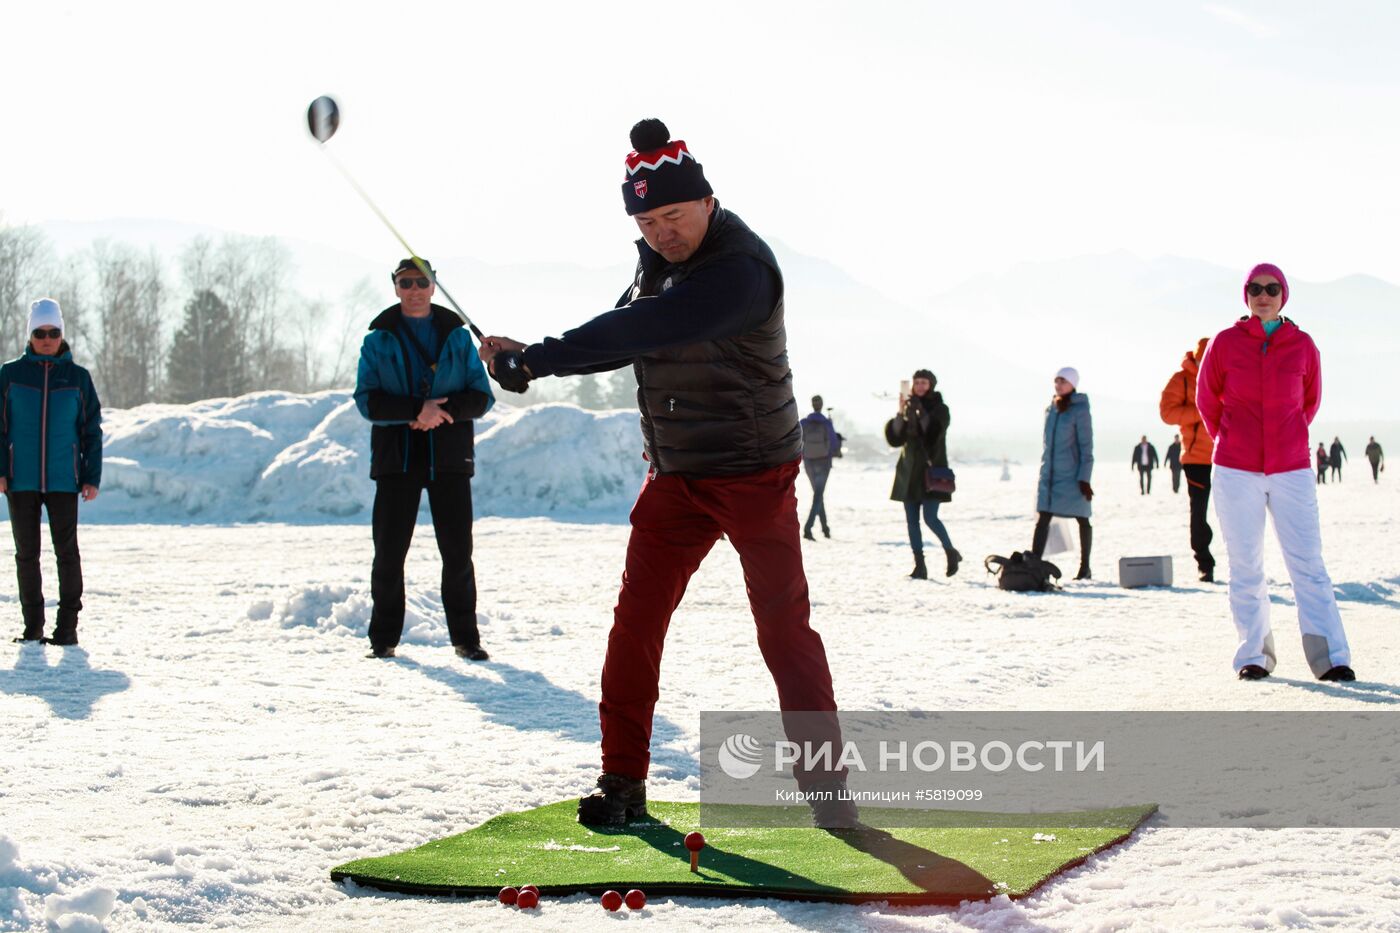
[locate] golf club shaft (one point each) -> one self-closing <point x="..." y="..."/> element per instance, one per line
<point x="422" y="266"/>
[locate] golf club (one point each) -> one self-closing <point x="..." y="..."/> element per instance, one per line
<point x="323" y="119"/>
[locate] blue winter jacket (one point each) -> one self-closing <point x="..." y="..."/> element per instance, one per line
<point x="385" y="395"/>
<point x="1068" y="459"/>
<point x="51" y="424"/>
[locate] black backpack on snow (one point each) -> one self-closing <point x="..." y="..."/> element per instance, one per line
<point x="1022" y="572"/>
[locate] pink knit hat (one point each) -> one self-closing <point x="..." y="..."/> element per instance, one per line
<point x="1267" y="268"/>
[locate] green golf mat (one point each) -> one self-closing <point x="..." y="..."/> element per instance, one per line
<point x="924" y="865"/>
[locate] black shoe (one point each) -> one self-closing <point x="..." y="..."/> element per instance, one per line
<point x="26" y="640"/>
<point x="1208" y="575"/>
<point x="63" y="639"/>
<point x="1254" y="672"/>
<point x="617" y="800"/>
<point x="920" y="571"/>
<point x="807" y="534"/>
<point x="1340" y="673"/>
<point x="831" y="806"/>
<point x="954" y="558"/>
<point x="1084" y="574"/>
<point x="826" y="532"/>
<point x="471" y="652"/>
<point x="381" y="651"/>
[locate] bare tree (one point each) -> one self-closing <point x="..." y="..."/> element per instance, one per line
<point x="128" y="302"/>
<point x="251" y="275"/>
<point x="24" y="260"/>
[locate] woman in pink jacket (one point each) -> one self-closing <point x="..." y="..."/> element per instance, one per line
<point x="1259" y="386"/>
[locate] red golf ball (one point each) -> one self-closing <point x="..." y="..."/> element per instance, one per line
<point x="694" y="841"/>
<point x="508" y="895"/>
<point x="610" y="900"/>
<point x="530" y="887"/>
<point x="527" y="899"/>
<point x="635" y="899"/>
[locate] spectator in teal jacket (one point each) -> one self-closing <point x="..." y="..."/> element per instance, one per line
<point x="51" y="447"/>
<point x="421" y="384"/>
<point x="1066" y="466"/>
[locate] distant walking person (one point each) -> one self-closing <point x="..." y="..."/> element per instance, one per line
<point x="1178" y="407"/>
<point x="1173" y="461"/>
<point x="51" y="442"/>
<point x="921" y="428"/>
<point x="1259" y="387"/>
<point x="1321" y="464"/>
<point x="820" y="443"/>
<point x="1066" y="466"/>
<point x="421" y="383"/>
<point x="1145" y="460"/>
<point x="1377" y="458"/>
<point x="1335" y="455"/>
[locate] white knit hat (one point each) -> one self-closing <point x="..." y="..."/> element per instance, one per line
<point x="45" y="313"/>
<point x="1069" y="374"/>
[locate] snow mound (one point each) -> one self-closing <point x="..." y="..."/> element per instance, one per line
<point x="83" y="912"/>
<point x="280" y="456"/>
<point x="345" y="610"/>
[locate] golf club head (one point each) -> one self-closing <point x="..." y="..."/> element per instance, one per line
<point x="323" y="118"/>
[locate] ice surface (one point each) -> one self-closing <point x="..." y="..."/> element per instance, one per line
<point x="220" y="740"/>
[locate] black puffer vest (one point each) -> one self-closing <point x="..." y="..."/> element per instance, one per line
<point x="721" y="407"/>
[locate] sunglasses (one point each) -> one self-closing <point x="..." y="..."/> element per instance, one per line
<point x="1255" y="289"/>
<point x="407" y="283"/>
<point x="47" y="333"/>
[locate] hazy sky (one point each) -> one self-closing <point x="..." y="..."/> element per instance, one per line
<point x="914" y="144"/>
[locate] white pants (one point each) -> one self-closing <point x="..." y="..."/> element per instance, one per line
<point x="1241" y="499"/>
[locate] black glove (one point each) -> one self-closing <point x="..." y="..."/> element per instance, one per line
<point x="1085" y="488"/>
<point x="508" y="370"/>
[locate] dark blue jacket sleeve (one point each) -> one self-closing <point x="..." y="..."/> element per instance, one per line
<point x="5" y="421"/>
<point x="725" y="298"/>
<point x="90" y="471"/>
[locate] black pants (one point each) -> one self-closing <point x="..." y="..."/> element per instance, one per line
<point x="1337" y="471"/>
<point x="63" y="529"/>
<point x="1145" y="481"/>
<point x="1176" y="479"/>
<point x="396" y="501"/>
<point x="1198" y="489"/>
<point x="1375" y="471"/>
<point x="1042" y="533"/>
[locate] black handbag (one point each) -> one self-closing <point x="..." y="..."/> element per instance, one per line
<point x="940" y="479"/>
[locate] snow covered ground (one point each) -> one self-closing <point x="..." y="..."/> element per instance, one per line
<point x="219" y="741"/>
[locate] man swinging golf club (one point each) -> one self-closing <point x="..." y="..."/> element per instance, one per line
<point x="702" y="326"/>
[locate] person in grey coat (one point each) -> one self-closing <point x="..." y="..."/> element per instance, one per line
<point x="1066" y="467"/>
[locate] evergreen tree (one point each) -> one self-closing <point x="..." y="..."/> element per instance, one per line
<point x="204" y="357"/>
<point x="590" y="393"/>
<point x="621" y="388"/>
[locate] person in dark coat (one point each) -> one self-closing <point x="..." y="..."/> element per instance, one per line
<point x="1321" y="464"/>
<point x="1066" y="466"/>
<point x="1144" y="460"/>
<point x="1173" y="461"/>
<point x="702" y="325"/>
<point x="1335" y="455"/>
<point x="51" y="445"/>
<point x="1377" y="458"/>
<point x="921" y="429"/>
<point x="421" y="383"/>
<point x="820" y="443"/>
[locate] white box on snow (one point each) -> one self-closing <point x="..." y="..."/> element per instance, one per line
<point x="1144" y="571"/>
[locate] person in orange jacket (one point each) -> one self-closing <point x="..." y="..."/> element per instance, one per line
<point x="1179" y="408"/>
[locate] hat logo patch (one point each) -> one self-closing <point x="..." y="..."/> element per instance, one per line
<point x="640" y="187"/>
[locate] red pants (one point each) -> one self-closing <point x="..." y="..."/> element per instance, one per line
<point x="675" y="522"/>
